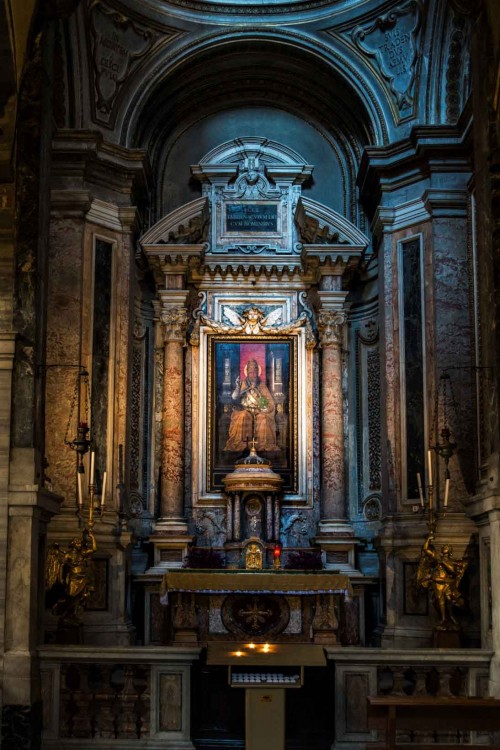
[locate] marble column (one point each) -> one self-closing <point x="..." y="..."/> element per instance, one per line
<point x="174" y="319"/>
<point x="331" y="325"/>
<point x="335" y="533"/>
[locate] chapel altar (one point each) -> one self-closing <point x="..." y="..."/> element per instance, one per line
<point x="249" y="467"/>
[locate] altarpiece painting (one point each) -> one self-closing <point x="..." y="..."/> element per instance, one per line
<point x="252" y="395"/>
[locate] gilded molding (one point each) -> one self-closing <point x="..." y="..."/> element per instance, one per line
<point x="253" y="321"/>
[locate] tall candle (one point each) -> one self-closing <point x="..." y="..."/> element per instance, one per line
<point x="420" y="493"/>
<point x="103" y="493"/>
<point x="92" y="466"/>
<point x="429" y="465"/>
<point x="446" y="492"/>
<point x="80" y="490"/>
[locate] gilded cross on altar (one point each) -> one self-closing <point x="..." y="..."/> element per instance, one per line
<point x="254" y="616"/>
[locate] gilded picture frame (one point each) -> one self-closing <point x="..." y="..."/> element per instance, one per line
<point x="252" y="393"/>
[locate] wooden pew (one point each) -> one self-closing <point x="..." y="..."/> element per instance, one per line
<point x="390" y="713"/>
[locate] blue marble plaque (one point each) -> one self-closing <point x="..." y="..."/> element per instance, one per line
<point x="249" y="218"/>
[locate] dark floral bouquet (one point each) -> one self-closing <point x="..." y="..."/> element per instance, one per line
<point x="204" y="557"/>
<point x="304" y="560"/>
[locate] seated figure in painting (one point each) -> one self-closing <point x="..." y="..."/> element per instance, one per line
<point x="252" y="400"/>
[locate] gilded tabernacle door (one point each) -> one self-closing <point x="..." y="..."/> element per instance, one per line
<point x="252" y="377"/>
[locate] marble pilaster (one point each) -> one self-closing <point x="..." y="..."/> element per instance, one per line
<point x="29" y="510"/>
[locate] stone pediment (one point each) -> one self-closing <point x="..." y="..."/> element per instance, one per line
<point x="187" y="225"/>
<point x="252" y="217"/>
<point x="319" y="225"/>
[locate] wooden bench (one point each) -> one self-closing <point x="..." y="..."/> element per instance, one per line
<point x="390" y="713"/>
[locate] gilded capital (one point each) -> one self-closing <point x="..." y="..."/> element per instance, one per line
<point x="330" y="327"/>
<point x="175" y="321"/>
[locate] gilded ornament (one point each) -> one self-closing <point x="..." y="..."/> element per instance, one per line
<point x="440" y="573"/>
<point x="253" y="321"/>
<point x="71" y="568"/>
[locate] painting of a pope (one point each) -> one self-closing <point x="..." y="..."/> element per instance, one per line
<point x="252" y="403"/>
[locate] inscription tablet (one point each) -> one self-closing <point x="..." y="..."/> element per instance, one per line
<point x="252" y="217"/>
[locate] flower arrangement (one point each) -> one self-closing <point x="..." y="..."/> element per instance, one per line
<point x="304" y="560"/>
<point x="204" y="557"/>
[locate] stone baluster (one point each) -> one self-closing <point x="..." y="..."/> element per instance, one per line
<point x="174" y="320"/>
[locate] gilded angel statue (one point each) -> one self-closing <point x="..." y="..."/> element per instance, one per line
<point x="70" y="568"/>
<point x="440" y="573"/>
<point x="253" y="321"/>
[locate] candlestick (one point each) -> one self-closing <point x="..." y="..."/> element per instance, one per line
<point x="420" y="491"/>
<point x="103" y="493"/>
<point x="429" y="467"/>
<point x="446" y="492"/>
<point x="92" y="467"/>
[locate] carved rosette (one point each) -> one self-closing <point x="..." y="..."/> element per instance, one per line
<point x="175" y="322"/>
<point x="331" y="327"/>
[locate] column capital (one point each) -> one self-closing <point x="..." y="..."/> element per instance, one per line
<point x="172" y="314"/>
<point x="331" y="327"/>
<point x="175" y="322"/>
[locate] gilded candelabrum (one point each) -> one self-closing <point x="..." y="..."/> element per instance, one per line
<point x="438" y="571"/>
<point x="69" y="575"/>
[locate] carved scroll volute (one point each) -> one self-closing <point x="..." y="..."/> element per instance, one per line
<point x="175" y="322"/>
<point x="331" y="327"/>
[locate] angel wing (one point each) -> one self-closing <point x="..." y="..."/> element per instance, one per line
<point x="233" y="316"/>
<point x="54" y="566"/>
<point x="461" y="567"/>
<point x="273" y="318"/>
<point x="424" y="571"/>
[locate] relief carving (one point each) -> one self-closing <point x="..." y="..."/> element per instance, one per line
<point x="170" y="704"/>
<point x="175" y="322"/>
<point x="391" y="40"/>
<point x="372" y="509"/>
<point x="331" y="327"/>
<point x="254" y="321"/>
<point x="252" y="183"/>
<point x="210" y="525"/>
<point x="315" y="232"/>
<point x="294" y="529"/>
<point x="374" y="430"/>
<point x="117" y="43"/>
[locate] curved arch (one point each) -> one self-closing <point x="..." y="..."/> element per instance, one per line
<point x="373" y="112"/>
